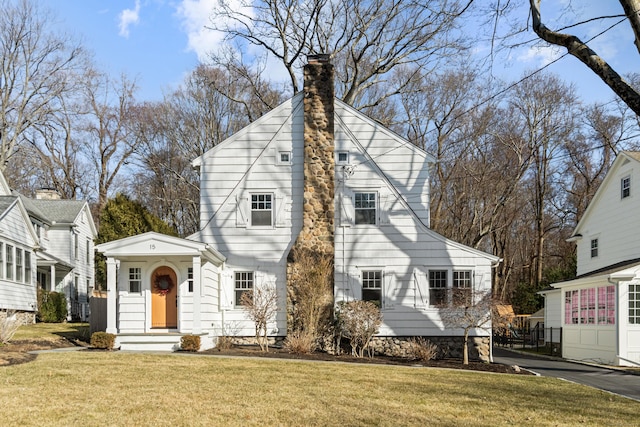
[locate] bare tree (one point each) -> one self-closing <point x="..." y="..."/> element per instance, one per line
<point x="35" y="64"/>
<point x="369" y="39"/>
<point x="108" y="140"/>
<point x="468" y="314"/>
<point x="589" y="57"/>
<point x="261" y="305"/>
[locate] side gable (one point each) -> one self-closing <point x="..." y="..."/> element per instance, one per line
<point x="608" y="232"/>
<point x="15" y="223"/>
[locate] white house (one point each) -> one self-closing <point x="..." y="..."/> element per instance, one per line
<point x="312" y="172"/>
<point x="45" y="242"/>
<point x="18" y="245"/>
<point x="65" y="259"/>
<point x="599" y="311"/>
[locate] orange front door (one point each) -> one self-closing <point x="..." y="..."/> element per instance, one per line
<point x="164" y="289"/>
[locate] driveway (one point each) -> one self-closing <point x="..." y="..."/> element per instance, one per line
<point x="615" y="381"/>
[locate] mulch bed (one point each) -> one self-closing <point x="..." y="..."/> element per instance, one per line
<point x="17" y="352"/>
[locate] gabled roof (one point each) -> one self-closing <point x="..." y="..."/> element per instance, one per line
<point x="622" y="159"/>
<point x="157" y="244"/>
<point x="9" y="202"/>
<point x="58" y="212"/>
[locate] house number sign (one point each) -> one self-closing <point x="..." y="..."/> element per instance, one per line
<point x="152" y="247"/>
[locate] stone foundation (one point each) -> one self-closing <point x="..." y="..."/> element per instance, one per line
<point x="272" y="341"/>
<point x="23" y="317"/>
<point x="448" y="347"/>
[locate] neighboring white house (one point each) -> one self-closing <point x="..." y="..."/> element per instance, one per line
<point x="65" y="259"/>
<point x="599" y="311"/>
<point x="345" y="181"/>
<point x="18" y="243"/>
<point x="45" y="242"/>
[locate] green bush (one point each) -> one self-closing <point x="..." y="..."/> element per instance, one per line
<point x="52" y="307"/>
<point x="103" y="340"/>
<point x="190" y="343"/>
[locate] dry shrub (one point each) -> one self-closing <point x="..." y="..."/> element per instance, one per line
<point x="9" y="324"/>
<point x="300" y="342"/>
<point x="421" y="349"/>
<point x="310" y="294"/>
<point x="190" y="343"/>
<point x="224" y="342"/>
<point x="358" y="321"/>
<point x="103" y="340"/>
<point x="261" y="305"/>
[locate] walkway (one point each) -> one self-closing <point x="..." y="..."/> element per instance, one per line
<point x="614" y="381"/>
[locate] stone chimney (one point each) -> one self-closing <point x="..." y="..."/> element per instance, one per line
<point x="310" y="262"/>
<point x="47" y="194"/>
<point x="318" y="208"/>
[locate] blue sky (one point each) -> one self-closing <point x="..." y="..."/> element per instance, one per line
<point x="159" y="41"/>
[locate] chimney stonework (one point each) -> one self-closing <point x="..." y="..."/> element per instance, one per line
<point x="318" y="207"/>
<point x="315" y="243"/>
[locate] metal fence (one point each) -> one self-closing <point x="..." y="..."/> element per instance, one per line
<point x="543" y="340"/>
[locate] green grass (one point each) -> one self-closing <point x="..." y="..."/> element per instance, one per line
<point x="118" y="388"/>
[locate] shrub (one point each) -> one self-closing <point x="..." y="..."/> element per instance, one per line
<point x="260" y="305"/>
<point x="9" y="324"/>
<point x="52" y="307"/>
<point x="103" y="340"/>
<point x="224" y="342"/>
<point x="300" y="342"/>
<point x="421" y="349"/>
<point x="190" y="343"/>
<point x="358" y="321"/>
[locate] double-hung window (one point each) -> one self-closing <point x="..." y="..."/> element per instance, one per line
<point x="372" y="287"/>
<point x="437" y="288"/>
<point x="594" y="248"/>
<point x="462" y="289"/>
<point x="190" y="279"/>
<point x="365" y="208"/>
<point x="18" y="265"/>
<point x="27" y="267"/>
<point x="135" y="279"/>
<point x="262" y="209"/>
<point x="9" y="262"/>
<point x="625" y="187"/>
<point x="243" y="283"/>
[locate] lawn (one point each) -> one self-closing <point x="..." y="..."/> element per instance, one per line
<point x="118" y="388"/>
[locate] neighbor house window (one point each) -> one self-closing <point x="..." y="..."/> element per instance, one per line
<point x="594" y="248"/>
<point x="462" y="289"/>
<point x="88" y="251"/>
<point x="372" y="286"/>
<point x="571" y="307"/>
<point x="243" y="283"/>
<point x="625" y="187"/>
<point x="437" y="287"/>
<point x="365" y="206"/>
<point x="190" y="278"/>
<point x="18" y="265"/>
<point x="9" y="262"/>
<point x="261" y="209"/>
<point x="588" y="306"/>
<point x="76" y="243"/>
<point x="27" y="267"/>
<point x="1" y="260"/>
<point x="135" y="279"/>
<point x="634" y="303"/>
<point x="607" y="305"/>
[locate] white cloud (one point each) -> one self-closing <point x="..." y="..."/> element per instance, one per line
<point x="195" y="16"/>
<point x="129" y="17"/>
<point x="540" y="55"/>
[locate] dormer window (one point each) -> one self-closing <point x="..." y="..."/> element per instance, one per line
<point x="625" y="187"/>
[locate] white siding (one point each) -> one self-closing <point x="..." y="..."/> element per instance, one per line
<point x="609" y="220"/>
<point x="400" y="244"/>
<point x="15" y="231"/>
